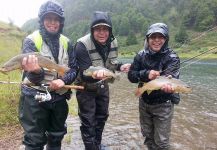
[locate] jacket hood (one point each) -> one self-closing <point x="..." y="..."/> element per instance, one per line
<point x="157" y="28"/>
<point x="102" y="18"/>
<point x="51" y="6"/>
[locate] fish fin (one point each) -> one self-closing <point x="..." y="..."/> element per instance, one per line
<point x="139" y="92"/>
<point x="63" y="70"/>
<point x="106" y="78"/>
<point x="149" y="92"/>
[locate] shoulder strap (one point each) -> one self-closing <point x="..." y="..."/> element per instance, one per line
<point x="64" y="41"/>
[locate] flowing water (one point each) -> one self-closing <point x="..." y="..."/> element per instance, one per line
<point x="194" y="125"/>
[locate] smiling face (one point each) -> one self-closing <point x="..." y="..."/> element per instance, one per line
<point x="52" y="22"/>
<point x="101" y="34"/>
<point x="156" y="41"/>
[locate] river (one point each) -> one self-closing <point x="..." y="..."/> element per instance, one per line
<point x="194" y="125"/>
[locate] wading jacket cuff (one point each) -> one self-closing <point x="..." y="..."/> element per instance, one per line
<point x="119" y="66"/>
<point x="36" y="77"/>
<point x="143" y="74"/>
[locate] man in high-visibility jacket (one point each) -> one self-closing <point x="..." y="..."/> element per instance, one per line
<point x="44" y="122"/>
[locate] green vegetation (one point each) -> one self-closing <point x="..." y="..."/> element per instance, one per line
<point x="10" y="43"/>
<point x="186" y="20"/>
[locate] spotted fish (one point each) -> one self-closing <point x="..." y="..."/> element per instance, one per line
<point x="156" y="84"/>
<point x="16" y="63"/>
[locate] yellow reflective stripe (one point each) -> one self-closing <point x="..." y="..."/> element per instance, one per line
<point x="38" y="40"/>
<point x="64" y="41"/>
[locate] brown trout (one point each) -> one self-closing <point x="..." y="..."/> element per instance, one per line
<point x="156" y="84"/>
<point x="16" y="63"/>
<point x="92" y="69"/>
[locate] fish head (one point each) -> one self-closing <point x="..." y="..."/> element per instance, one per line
<point x="87" y="72"/>
<point x="184" y="89"/>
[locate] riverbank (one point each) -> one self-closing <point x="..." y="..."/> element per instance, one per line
<point x="11" y="137"/>
<point x="181" y="55"/>
<point x="11" y="134"/>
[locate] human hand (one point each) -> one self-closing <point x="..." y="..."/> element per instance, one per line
<point x="56" y="84"/>
<point x="153" y="74"/>
<point x="30" y="64"/>
<point x="167" y="88"/>
<point x="99" y="74"/>
<point x="125" y="67"/>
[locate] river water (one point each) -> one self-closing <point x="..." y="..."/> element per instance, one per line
<point x="194" y="125"/>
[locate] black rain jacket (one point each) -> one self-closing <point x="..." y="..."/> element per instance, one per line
<point x="145" y="61"/>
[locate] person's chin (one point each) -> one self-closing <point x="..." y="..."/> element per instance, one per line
<point x="102" y="41"/>
<point x="53" y="32"/>
<point x="156" y="49"/>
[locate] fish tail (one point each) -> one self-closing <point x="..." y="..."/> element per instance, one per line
<point x="62" y="70"/>
<point x="149" y="92"/>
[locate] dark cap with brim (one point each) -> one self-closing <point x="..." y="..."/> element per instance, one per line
<point x="101" y="24"/>
<point x="157" y="31"/>
<point x="158" y="28"/>
<point x="53" y="13"/>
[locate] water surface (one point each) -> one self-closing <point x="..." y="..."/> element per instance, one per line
<point x="194" y="124"/>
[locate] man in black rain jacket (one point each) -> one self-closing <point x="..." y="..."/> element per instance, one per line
<point x="156" y="108"/>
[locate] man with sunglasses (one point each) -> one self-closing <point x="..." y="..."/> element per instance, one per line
<point x="156" y="109"/>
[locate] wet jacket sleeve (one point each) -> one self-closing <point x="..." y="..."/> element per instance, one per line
<point x="70" y="76"/>
<point x="29" y="47"/>
<point x="172" y="66"/>
<point x="119" y="66"/>
<point x="84" y="61"/>
<point x="135" y="73"/>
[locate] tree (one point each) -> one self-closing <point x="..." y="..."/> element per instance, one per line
<point x="124" y="26"/>
<point x="205" y="18"/>
<point x="131" y="39"/>
<point x="182" y="36"/>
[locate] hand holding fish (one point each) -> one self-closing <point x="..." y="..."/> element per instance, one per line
<point x="153" y="74"/>
<point x="125" y="67"/>
<point x="30" y="64"/>
<point x="56" y="84"/>
<point x="167" y="88"/>
<point x="99" y="74"/>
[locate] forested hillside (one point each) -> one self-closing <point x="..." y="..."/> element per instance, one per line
<point x="132" y="17"/>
